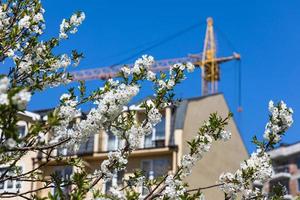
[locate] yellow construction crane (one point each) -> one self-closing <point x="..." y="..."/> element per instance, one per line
<point x="208" y="61"/>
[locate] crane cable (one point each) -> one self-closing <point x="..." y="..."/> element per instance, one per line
<point x="239" y="68"/>
<point x="162" y="41"/>
<point x="177" y="34"/>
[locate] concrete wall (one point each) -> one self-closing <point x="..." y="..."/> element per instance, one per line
<point x="223" y="156"/>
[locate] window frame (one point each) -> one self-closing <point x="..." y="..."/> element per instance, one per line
<point x="153" y="139"/>
<point x="22" y="124"/>
<point x="62" y="171"/>
<point x="14" y="182"/>
<point x="113" y="181"/>
<point x="116" y="141"/>
<point x="298" y="184"/>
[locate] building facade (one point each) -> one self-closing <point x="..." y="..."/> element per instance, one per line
<point x="26" y="163"/>
<point x="161" y="152"/>
<point x="286" y="166"/>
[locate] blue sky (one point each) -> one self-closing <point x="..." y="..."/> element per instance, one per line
<point x="265" y="33"/>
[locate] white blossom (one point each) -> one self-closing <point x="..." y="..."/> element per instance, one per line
<point x="24" y="22"/>
<point x="38" y="17"/>
<point x="11" y="143"/>
<point x="21" y="98"/>
<point x="225" y="135"/>
<point x="256" y="168"/>
<point x="170" y="84"/>
<point x="65" y="61"/>
<point x="281" y="119"/>
<point x="77" y="19"/>
<point x="117" y="193"/>
<point x="10" y="53"/>
<point x="154" y="116"/>
<point x="151" y="75"/>
<point x="4" y="83"/>
<point x="25" y="64"/>
<point x="174" y="188"/>
<point x="4" y="99"/>
<point x="65" y="26"/>
<point x="126" y="71"/>
<point x="190" y="67"/>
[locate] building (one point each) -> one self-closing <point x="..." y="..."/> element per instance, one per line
<point x="286" y="166"/>
<point x="26" y="162"/>
<point x="161" y="152"/>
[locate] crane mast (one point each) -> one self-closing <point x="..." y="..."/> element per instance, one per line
<point x="210" y="63"/>
<point x="207" y="61"/>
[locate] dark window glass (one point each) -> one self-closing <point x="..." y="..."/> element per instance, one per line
<point x="157" y="137"/>
<point x="148" y="141"/>
<point x="160" y="129"/>
<point x="10" y="184"/>
<point x="64" y="173"/>
<point x="18" y="184"/>
<point x="298" y="163"/>
<point x="108" y="185"/>
<point x="120" y="177"/>
<point x="155" y="168"/>
<point x="147" y="167"/>
<point x="21" y="130"/>
<point x="112" y="143"/>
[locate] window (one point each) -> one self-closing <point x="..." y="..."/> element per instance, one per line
<point x="64" y="173"/>
<point x="21" y="131"/>
<point x="156" y="167"/>
<point x="10" y="185"/>
<point x="298" y="163"/>
<point x="115" y="181"/>
<point x="157" y="137"/>
<point x="113" y="142"/>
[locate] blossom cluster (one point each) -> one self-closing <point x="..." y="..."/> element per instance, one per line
<point x="140" y="65"/>
<point x="20" y="98"/>
<point x="4" y="83"/>
<point x="35" y="64"/>
<point x="117" y="158"/>
<point x="71" y="25"/>
<point x="280" y="120"/>
<point x="109" y="106"/>
<point x="256" y="168"/>
<point x="136" y="132"/>
<point x="174" y="188"/>
<point x="31" y="22"/>
<point x="202" y="143"/>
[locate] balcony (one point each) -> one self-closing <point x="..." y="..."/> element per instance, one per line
<point x="288" y="197"/>
<point x="281" y="172"/>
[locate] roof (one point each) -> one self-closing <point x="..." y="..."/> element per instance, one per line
<point x="32" y="115"/>
<point x="182" y="107"/>
<point x="285" y="150"/>
<point x="43" y="112"/>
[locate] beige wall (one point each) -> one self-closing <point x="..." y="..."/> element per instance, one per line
<point x="223" y="156"/>
<point x="26" y="161"/>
